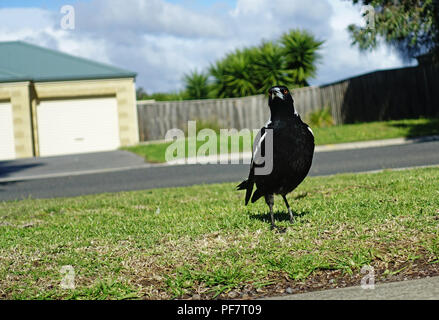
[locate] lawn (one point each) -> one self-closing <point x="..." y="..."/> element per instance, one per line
<point x="155" y="152"/>
<point x="202" y="242"/>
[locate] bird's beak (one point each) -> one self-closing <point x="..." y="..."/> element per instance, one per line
<point x="276" y="93"/>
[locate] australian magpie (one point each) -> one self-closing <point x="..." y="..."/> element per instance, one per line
<point x="291" y="154"/>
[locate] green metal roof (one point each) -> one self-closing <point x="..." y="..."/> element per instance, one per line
<point x="21" y="61"/>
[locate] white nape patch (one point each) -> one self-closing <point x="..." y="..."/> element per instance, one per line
<point x="310" y="130"/>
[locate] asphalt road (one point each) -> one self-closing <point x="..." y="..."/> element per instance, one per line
<point x="325" y="163"/>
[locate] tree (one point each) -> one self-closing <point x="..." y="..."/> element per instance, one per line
<point x="271" y="67"/>
<point x="240" y="73"/>
<point x="301" y="54"/>
<point x="141" y="94"/>
<point x="234" y="76"/>
<point x="290" y="61"/>
<point x="197" y="86"/>
<point x="410" y="26"/>
<point x="219" y="85"/>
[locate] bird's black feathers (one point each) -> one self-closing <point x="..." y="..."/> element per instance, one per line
<point x="258" y="147"/>
<point x="242" y="185"/>
<point x="256" y="195"/>
<point x="293" y="149"/>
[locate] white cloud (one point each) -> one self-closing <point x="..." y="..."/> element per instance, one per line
<point x="268" y="19"/>
<point x="152" y="17"/>
<point x="24" y="19"/>
<point x="162" y="41"/>
<point x="341" y="60"/>
<point x="163" y="60"/>
<point x="21" y="24"/>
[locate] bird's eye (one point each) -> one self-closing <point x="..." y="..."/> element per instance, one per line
<point x="285" y="91"/>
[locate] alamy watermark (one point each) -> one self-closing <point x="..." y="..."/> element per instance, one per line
<point x="368" y="16"/>
<point x="68" y="280"/>
<point x="184" y="150"/>
<point x="68" y="18"/>
<point x="368" y="281"/>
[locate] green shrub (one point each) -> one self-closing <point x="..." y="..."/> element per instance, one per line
<point x="197" y="86"/>
<point x="321" y="118"/>
<point x="206" y="124"/>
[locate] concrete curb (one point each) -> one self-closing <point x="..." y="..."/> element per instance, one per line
<point x="374" y="143"/>
<point x="246" y="156"/>
<point x="419" y="289"/>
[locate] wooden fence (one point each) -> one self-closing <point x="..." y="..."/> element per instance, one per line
<point x="381" y="95"/>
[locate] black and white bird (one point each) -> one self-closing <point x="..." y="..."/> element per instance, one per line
<point x="292" y="153"/>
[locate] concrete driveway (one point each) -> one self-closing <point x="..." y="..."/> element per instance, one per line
<point x="68" y="165"/>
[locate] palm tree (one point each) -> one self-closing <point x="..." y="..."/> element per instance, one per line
<point x="240" y="73"/>
<point x="271" y="67"/>
<point x="197" y="86"/>
<point x="291" y="62"/>
<point x="300" y="49"/>
<point x="219" y="83"/>
<point x="234" y="76"/>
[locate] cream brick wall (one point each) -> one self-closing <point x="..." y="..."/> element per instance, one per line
<point x="18" y="94"/>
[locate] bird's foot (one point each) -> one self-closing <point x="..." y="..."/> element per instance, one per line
<point x="291" y="215"/>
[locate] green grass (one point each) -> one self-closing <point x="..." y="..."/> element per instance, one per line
<point x="377" y="131"/>
<point x="327" y="135"/>
<point x="171" y="243"/>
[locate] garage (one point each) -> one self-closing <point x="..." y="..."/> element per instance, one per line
<point x="7" y="145"/>
<point x="53" y="103"/>
<point x="77" y="126"/>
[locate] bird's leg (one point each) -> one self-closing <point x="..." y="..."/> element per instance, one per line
<point x="269" y="199"/>
<point x="289" y="209"/>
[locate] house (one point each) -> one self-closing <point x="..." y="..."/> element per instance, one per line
<point x="52" y="103"/>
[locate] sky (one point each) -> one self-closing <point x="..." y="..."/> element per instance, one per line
<point x="162" y="40"/>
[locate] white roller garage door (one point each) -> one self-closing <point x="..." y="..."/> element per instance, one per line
<point x="7" y="144"/>
<point x="77" y="126"/>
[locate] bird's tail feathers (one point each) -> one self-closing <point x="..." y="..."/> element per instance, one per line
<point x="248" y="186"/>
<point x="257" y="195"/>
<point x="243" y="185"/>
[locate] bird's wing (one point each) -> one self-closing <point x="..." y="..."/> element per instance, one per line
<point x="257" y="160"/>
